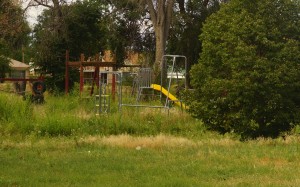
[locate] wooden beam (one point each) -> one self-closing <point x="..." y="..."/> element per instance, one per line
<point x="93" y="63"/>
<point x="20" y="79"/>
<point x="67" y="73"/>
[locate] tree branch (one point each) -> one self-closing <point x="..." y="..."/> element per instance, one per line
<point x="181" y="6"/>
<point x="152" y="11"/>
<point x="169" y="14"/>
<point x="205" y="3"/>
<point x="42" y="4"/>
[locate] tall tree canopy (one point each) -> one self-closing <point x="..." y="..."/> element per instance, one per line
<point x="187" y="26"/>
<point x="124" y="26"/>
<point x="184" y="18"/>
<point x="86" y="27"/>
<point x="14" y="31"/>
<point x="119" y="26"/>
<point x="248" y="77"/>
<point x="76" y="29"/>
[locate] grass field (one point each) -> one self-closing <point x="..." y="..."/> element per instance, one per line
<point x="162" y="160"/>
<point x="62" y="143"/>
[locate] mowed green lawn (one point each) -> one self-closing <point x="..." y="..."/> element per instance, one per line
<point x="159" y="160"/>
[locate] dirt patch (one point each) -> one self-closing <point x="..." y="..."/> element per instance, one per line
<point x="275" y="162"/>
<point x="128" y="141"/>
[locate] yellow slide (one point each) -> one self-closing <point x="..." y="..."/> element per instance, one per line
<point x="166" y="93"/>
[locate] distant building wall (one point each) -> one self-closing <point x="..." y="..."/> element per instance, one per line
<point x="18" y="69"/>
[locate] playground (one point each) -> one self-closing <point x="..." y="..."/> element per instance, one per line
<point x="109" y="85"/>
<point x="106" y="100"/>
<point x="135" y="133"/>
<point x="138" y="88"/>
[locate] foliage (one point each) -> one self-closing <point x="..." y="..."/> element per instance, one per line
<point x="4" y="61"/>
<point x="187" y="26"/>
<point x="79" y="33"/>
<point x="84" y="32"/>
<point x="14" y="32"/>
<point x="87" y="27"/>
<point x="124" y="29"/>
<point x="247" y="80"/>
<point x="70" y="115"/>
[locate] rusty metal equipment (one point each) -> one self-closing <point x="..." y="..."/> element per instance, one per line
<point x="83" y="62"/>
<point x="110" y="86"/>
<point x="38" y="87"/>
<point x="173" y="68"/>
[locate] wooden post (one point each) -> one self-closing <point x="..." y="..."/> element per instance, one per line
<point x="113" y="86"/>
<point x="95" y="79"/>
<point x="97" y="70"/>
<point x="81" y="73"/>
<point x="67" y="73"/>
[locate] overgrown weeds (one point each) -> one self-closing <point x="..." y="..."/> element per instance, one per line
<point x="70" y="115"/>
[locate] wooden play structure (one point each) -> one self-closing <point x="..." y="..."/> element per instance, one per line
<point x="96" y="63"/>
<point x="144" y="89"/>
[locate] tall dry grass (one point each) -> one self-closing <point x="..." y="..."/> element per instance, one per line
<point x="72" y="116"/>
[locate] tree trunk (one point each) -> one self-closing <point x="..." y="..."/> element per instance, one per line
<point x="57" y="9"/>
<point x="161" y="16"/>
<point x="160" y="45"/>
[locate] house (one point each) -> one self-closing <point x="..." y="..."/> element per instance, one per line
<point x="132" y="58"/>
<point x="89" y="71"/>
<point x="18" y="69"/>
<point x="18" y="72"/>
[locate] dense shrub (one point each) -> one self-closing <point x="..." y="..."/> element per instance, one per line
<point x="248" y="77"/>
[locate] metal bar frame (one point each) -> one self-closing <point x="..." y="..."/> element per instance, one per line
<point x="117" y="81"/>
<point x="166" y="106"/>
<point x="174" y="57"/>
<point x="82" y="63"/>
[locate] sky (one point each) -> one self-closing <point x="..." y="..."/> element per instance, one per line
<point x="32" y="12"/>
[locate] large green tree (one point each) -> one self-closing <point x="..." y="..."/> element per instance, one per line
<point x="87" y="27"/>
<point x="248" y="78"/>
<point x="124" y="26"/>
<point x="187" y="26"/>
<point x="78" y="31"/>
<point x="176" y="23"/>
<point x="163" y="14"/>
<point x="14" y="31"/>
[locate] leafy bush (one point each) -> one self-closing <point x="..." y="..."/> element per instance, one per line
<point x="248" y="77"/>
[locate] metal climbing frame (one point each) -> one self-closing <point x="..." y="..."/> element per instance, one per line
<point x="107" y="80"/>
<point x="144" y="81"/>
<point x="170" y="70"/>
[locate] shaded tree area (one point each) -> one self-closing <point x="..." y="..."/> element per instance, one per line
<point x="247" y="79"/>
<point x="125" y="31"/>
<point x="161" y="13"/>
<point x="14" y="34"/>
<point x="76" y="29"/>
<point x="176" y="26"/>
<point x="187" y="26"/>
<point x="86" y="27"/>
<point x="91" y="26"/>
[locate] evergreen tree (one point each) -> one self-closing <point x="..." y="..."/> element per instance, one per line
<point x="248" y="78"/>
